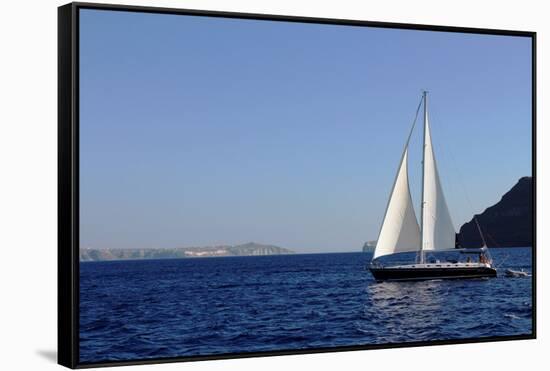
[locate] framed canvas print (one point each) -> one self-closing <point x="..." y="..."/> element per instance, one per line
<point x="237" y="185"/>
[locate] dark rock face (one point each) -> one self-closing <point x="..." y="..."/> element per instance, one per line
<point x="508" y="223"/>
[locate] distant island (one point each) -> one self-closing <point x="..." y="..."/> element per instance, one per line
<point x="369" y="246"/>
<point x="247" y="249"/>
<point x="508" y="223"/>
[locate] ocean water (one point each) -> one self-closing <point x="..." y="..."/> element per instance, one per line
<point x="132" y="310"/>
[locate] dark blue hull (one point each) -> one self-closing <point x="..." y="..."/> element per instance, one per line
<point x="402" y="274"/>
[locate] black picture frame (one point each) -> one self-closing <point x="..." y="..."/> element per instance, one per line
<point x="68" y="178"/>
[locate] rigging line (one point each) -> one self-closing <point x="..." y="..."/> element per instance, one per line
<point x="460" y="177"/>
<point x="492" y="239"/>
<point x="480" y="232"/>
<point x="503" y="261"/>
<point x="498" y="245"/>
<point x="414" y="122"/>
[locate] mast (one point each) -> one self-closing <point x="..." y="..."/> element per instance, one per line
<point x="421" y="252"/>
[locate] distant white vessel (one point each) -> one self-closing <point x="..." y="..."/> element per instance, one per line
<point x="515" y="274"/>
<point x="400" y="231"/>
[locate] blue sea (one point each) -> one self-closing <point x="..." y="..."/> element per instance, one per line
<point x="143" y="309"/>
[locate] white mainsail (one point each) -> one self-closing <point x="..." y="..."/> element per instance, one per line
<point x="400" y="231"/>
<point x="438" y="232"/>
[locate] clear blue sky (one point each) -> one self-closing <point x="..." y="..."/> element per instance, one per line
<point x="200" y="131"/>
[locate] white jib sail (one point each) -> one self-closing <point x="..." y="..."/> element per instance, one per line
<point x="438" y="232"/>
<point x="400" y="231"/>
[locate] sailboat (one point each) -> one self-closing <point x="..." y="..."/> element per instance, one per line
<point x="400" y="231"/>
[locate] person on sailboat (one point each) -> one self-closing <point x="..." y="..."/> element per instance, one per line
<point x="482" y="258"/>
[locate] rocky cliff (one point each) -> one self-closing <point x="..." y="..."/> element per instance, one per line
<point x="505" y="224"/>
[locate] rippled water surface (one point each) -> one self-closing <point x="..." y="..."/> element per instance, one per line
<point x="165" y="308"/>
